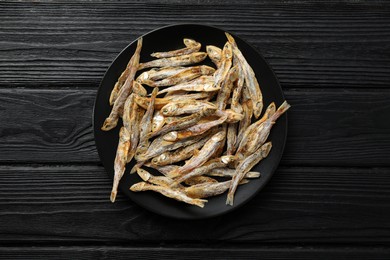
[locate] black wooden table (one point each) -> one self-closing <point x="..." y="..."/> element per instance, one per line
<point x="330" y="197"/>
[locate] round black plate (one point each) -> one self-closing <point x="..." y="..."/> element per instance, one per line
<point x="169" y="38"/>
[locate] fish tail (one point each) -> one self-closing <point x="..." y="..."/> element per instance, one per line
<point x="280" y="111"/>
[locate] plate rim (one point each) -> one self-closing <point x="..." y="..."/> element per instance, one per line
<point x="229" y="209"/>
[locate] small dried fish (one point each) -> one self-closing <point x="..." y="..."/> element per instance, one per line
<point x="188" y="106"/>
<point x="247" y="110"/>
<point x="159" y="146"/>
<point x="157" y="180"/>
<point x="120" y="160"/>
<point x="160" y="102"/>
<point x="137" y="114"/>
<point x="194" y="130"/>
<point x="250" y="78"/>
<point x="159" y="73"/>
<point x="178" y="155"/>
<point x="146" y="125"/>
<point x="183" y="76"/>
<point x="226" y="172"/>
<point x="245" y="166"/>
<point x="198" y="180"/>
<point x="139" y="89"/>
<point x="158" y="121"/>
<point x="226" y="88"/>
<point x="175" y="61"/>
<point x="214" y="54"/>
<point x="260" y="134"/>
<point x="164" y="170"/>
<point x="204" y="154"/>
<point x="183" y="122"/>
<point x="209" y="189"/>
<point x="203" y="83"/>
<point x="191" y="47"/>
<point x="215" y="163"/>
<point x="226" y="62"/>
<point x="112" y="120"/>
<point x="232" y="117"/>
<point x="231" y="138"/>
<point x="168" y="192"/>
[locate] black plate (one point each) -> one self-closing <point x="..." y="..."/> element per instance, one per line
<point x="169" y="38"/>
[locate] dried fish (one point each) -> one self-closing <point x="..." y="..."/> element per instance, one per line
<point x="226" y="172"/>
<point x="204" y="154"/>
<point x="183" y="76"/>
<point x="226" y="62"/>
<point x="226" y="88"/>
<point x="168" y="192"/>
<point x="198" y="180"/>
<point x="183" y="122"/>
<point x="214" y="54"/>
<point x="139" y="89"/>
<point x="245" y="166"/>
<point x="160" y="102"/>
<point x="112" y="120"/>
<point x="175" y="61"/>
<point x="260" y="134"/>
<point x="203" y="83"/>
<point x="232" y="117"/>
<point x="146" y="125"/>
<point x="250" y="78"/>
<point x="178" y="155"/>
<point x="159" y="73"/>
<point x="191" y="46"/>
<point x="159" y="146"/>
<point x="231" y="138"/>
<point x="247" y="110"/>
<point x="158" y="121"/>
<point x="209" y="189"/>
<point x="187" y="106"/>
<point x="194" y="130"/>
<point x="215" y="163"/>
<point x="120" y="160"/>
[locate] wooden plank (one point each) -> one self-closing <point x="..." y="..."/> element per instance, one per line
<point x="70" y="204"/>
<point x="307" y="43"/>
<point x="94" y="252"/>
<point x="346" y="128"/>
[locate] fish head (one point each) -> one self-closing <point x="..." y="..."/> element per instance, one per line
<point x="171" y="136"/>
<point x="210" y="86"/>
<point x="169" y="109"/>
<point x="226" y="159"/>
<point x="207" y="70"/>
<point x="162" y="159"/>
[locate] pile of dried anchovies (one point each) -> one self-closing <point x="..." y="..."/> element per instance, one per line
<point x="203" y="122"/>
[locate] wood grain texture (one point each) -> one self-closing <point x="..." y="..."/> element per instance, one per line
<point x="70" y="204"/>
<point x="109" y="252"/>
<point x="345" y="128"/>
<point x="309" y="44"/>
